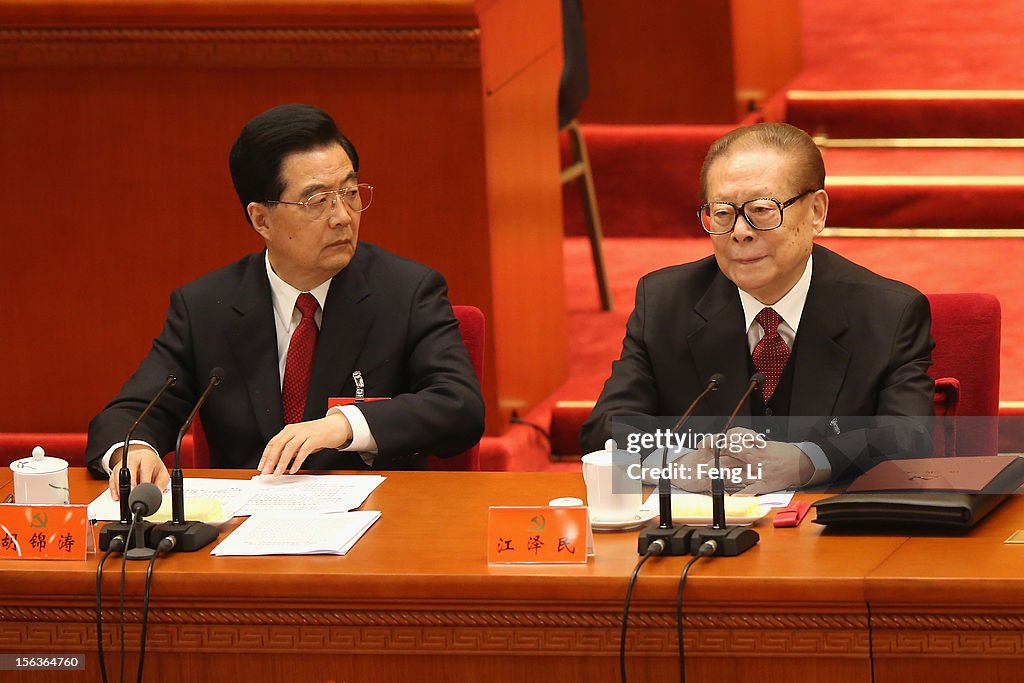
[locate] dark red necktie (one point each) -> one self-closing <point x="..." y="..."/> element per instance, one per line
<point x="298" y="367"/>
<point x="771" y="353"/>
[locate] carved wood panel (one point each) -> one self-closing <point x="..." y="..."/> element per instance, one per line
<point x="306" y="48"/>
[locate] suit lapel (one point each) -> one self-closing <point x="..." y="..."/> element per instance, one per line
<point x="344" y="328"/>
<point x="252" y="337"/>
<point x="821" y="357"/>
<point x="716" y="346"/>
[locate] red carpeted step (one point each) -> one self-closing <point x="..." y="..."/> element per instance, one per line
<point x="926" y="188"/>
<point x="908" y="113"/>
<point x="646" y="179"/>
<point x="926" y="203"/>
<point x="860" y="44"/>
<point x="982" y="162"/>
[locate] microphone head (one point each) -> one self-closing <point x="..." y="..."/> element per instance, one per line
<point x="145" y="499"/>
<point x="172" y="378"/>
<point x="757" y="379"/>
<point x="716" y="381"/>
<point x="216" y="375"/>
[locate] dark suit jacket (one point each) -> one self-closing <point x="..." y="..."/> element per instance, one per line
<point x="384" y="315"/>
<point x="863" y="349"/>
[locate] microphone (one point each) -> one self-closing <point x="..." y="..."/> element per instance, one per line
<point x="124" y="475"/>
<point x="187" y="536"/>
<point x="675" y="540"/>
<point x="734" y="540"/>
<point x="145" y="499"/>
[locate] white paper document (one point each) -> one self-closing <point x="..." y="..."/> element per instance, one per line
<point x="309" y="492"/>
<point x="779" y="499"/>
<point x="206" y="500"/>
<point x="297" y="533"/>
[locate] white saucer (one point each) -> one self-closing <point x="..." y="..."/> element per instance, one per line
<point x="635" y="522"/>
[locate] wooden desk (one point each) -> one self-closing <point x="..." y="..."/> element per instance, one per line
<point x="952" y="609"/>
<point x="416" y="600"/>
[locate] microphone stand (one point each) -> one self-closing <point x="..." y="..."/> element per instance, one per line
<point x="729" y="540"/>
<point x="676" y="539"/>
<point x="124" y="483"/>
<point x="188" y="536"/>
<point x="145" y="501"/>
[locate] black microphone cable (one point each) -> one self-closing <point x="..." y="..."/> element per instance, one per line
<point x="657" y="547"/>
<point x="706" y="549"/>
<point x="144" y="500"/>
<point x="165" y="546"/>
<point x="516" y="420"/>
<point x="124" y="578"/>
<point x="116" y="545"/>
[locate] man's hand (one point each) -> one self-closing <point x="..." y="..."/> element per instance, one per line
<point x="143" y="463"/>
<point x="695" y="466"/>
<point x="295" y="442"/>
<point x="776" y="465"/>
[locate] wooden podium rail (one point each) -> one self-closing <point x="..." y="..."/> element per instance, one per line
<point x="416" y="600"/>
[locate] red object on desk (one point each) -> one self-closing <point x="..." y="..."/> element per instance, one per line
<point x="792" y="514"/>
<point x="331" y="402"/>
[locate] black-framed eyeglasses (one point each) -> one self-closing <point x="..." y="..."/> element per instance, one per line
<point x="764" y="213"/>
<point x="316" y="206"/>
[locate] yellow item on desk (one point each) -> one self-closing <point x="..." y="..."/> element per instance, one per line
<point x="209" y="510"/>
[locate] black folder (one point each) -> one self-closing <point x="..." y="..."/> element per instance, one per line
<point x="926" y="493"/>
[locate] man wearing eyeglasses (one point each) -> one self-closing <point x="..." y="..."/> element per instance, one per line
<point x="316" y="315"/>
<point x="844" y="352"/>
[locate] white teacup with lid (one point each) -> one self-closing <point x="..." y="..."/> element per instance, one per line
<point x="612" y="495"/>
<point x="41" y="480"/>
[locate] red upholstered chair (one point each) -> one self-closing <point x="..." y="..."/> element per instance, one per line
<point x="471" y="325"/>
<point x="965" y="365"/>
<point x="567" y="418"/>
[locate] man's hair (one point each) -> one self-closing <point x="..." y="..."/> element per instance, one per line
<point x="783" y="137"/>
<point x="265" y="141"/>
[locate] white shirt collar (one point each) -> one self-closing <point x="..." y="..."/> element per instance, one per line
<point x="790" y="307"/>
<point x="284" y="297"/>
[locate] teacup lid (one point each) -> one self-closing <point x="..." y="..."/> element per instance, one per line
<point x="566" y="502"/>
<point x="39" y="463"/>
<point x="608" y="455"/>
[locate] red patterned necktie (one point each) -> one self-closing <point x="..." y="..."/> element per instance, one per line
<point x="771" y="353"/>
<point x="298" y="366"/>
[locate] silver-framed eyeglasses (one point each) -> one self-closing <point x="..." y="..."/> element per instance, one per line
<point x="764" y="213"/>
<point x="316" y="206"/>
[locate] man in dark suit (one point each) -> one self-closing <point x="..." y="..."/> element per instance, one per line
<point x="845" y="352"/>
<point x="307" y="319"/>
